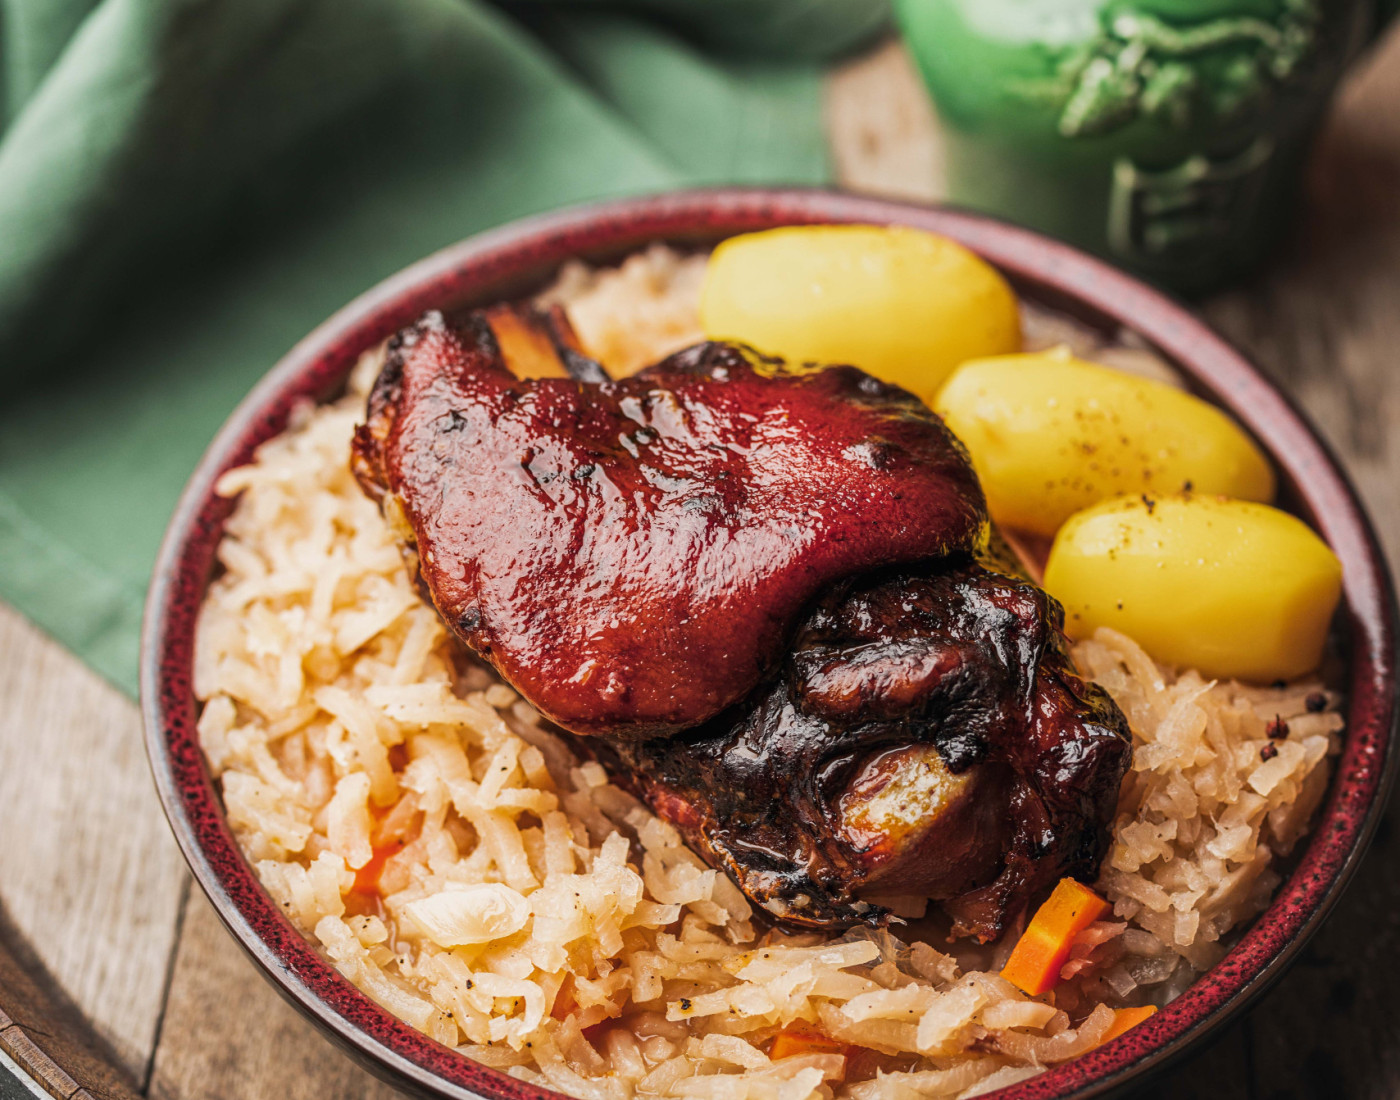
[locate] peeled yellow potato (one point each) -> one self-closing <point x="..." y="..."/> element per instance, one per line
<point x="905" y="305"/>
<point x="1229" y="587"/>
<point x="1050" y="434"/>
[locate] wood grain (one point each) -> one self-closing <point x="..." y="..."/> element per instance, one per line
<point x="882" y="129"/>
<point x="47" y="1034"/>
<point x="229" y="1036"/>
<point x="89" y="874"/>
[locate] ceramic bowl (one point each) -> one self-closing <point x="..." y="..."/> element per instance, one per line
<point x="521" y="257"/>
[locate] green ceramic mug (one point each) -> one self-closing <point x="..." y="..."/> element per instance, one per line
<point x="1167" y="135"/>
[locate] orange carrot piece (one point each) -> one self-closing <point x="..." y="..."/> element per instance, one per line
<point x="799" y="1038"/>
<point x="1124" y="1019"/>
<point x="367" y="877"/>
<point x="1034" y="966"/>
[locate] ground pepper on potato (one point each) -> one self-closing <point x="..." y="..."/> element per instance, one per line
<point x="1051" y="435"/>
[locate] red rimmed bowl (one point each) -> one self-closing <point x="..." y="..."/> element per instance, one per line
<point x="523" y="256"/>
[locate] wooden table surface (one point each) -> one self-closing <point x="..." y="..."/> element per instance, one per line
<point x="94" y="894"/>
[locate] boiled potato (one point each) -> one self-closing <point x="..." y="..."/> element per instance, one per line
<point x="905" y="305"/>
<point x="1229" y="587"/>
<point x="1050" y="434"/>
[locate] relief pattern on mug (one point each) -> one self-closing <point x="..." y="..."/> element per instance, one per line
<point x="1213" y="73"/>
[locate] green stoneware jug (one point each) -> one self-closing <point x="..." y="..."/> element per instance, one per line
<point x="1166" y="135"/>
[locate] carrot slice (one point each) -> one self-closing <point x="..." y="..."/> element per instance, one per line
<point x="1034" y="966"/>
<point x="367" y="877"/>
<point x="1125" y="1019"/>
<point x="800" y="1038"/>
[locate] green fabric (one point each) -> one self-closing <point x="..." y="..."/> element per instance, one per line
<point x="189" y="186"/>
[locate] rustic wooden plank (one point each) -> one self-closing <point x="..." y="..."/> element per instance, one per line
<point x="89" y="874"/>
<point x="229" y="1036"/>
<point x="881" y="127"/>
<point x="46" y="1034"/>
<point x="15" y="1082"/>
<point x="39" y="1067"/>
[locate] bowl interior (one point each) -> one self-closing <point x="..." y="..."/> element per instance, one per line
<point x="522" y="257"/>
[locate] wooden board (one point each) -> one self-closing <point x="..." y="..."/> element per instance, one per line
<point x="260" y="1050"/>
<point x="41" y="1029"/>
<point x="95" y="888"/>
<point x="118" y="981"/>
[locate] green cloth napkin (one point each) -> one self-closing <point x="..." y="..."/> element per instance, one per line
<point x="189" y="186"/>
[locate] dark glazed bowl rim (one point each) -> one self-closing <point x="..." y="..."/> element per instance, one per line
<point x="512" y="259"/>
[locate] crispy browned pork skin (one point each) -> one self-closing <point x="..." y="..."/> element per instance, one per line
<point x="633" y="555"/>
<point x="766" y="600"/>
<point x="927" y="736"/>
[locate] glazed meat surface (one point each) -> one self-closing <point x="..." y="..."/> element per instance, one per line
<point x="769" y="601"/>
<point x="927" y="736"/>
<point x="633" y="555"/>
